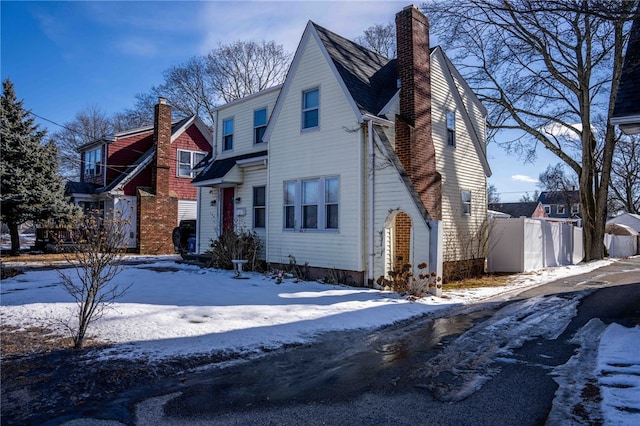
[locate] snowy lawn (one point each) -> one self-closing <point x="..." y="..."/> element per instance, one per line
<point x="174" y="309"/>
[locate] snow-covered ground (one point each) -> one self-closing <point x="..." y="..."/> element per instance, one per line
<point x="174" y="309"/>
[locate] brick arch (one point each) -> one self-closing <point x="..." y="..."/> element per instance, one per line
<point x="397" y="244"/>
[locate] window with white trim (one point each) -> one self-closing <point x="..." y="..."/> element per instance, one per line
<point x="466" y="203"/>
<point x="311" y="109"/>
<point x="187" y="160"/>
<point x="575" y="208"/>
<point x="560" y="209"/>
<point x="547" y="209"/>
<point x="227" y="134"/>
<point x="259" y="207"/>
<point x="451" y="128"/>
<point x="259" y="124"/>
<point x="93" y="162"/>
<point x="312" y="204"/>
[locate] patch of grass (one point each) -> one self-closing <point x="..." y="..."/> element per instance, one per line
<point x="492" y="280"/>
<point x="35" y="257"/>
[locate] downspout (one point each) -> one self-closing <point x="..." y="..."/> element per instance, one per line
<point x="371" y="205"/>
<point x="371" y="249"/>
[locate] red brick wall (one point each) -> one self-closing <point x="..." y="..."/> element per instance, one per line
<point x="414" y="143"/>
<point x="191" y="140"/>
<point x="122" y="153"/>
<point x="402" y="241"/>
<point x="157" y="216"/>
<point x="160" y="175"/>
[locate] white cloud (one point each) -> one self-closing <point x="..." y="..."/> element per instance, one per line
<point x="284" y="21"/>
<point x="523" y="178"/>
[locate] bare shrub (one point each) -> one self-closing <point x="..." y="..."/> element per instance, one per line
<point x="405" y="281"/>
<point x="232" y="245"/>
<point x="95" y="255"/>
<point x="465" y="252"/>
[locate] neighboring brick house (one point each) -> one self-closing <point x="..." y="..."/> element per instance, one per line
<point x="561" y="204"/>
<point x="145" y="174"/>
<point x="531" y="209"/>
<point x="357" y="163"/>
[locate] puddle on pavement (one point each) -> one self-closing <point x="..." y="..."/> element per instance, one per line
<point x="338" y="366"/>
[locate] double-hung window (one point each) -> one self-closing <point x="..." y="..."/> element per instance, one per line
<point x="310" y="109"/>
<point x="187" y="160"/>
<point x="227" y="134"/>
<point x="259" y="124"/>
<point x="93" y="162"/>
<point x="560" y="209"/>
<point x="466" y="203"/>
<point x="451" y="128"/>
<point x="259" y="207"/>
<point x="312" y="204"/>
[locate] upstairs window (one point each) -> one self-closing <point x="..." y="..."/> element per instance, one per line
<point x="451" y="128"/>
<point x="93" y="162"/>
<point x="227" y="134"/>
<point x="547" y="209"/>
<point x="466" y="203"/>
<point x="187" y="160"/>
<point x="575" y="208"/>
<point x="259" y="124"/>
<point x="259" y="207"/>
<point x="561" y="209"/>
<point x="310" y="109"/>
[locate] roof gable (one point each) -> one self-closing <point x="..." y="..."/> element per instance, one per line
<point x="368" y="80"/>
<point x="456" y="82"/>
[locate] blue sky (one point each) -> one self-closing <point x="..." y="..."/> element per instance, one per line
<point x="64" y="56"/>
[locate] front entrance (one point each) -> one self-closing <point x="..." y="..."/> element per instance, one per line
<point x="228" y="200"/>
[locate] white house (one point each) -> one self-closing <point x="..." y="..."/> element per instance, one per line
<point x="357" y="163"/>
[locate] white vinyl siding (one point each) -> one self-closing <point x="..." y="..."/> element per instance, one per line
<point x="461" y="168"/>
<point x="332" y="150"/>
<point x="244" y="129"/>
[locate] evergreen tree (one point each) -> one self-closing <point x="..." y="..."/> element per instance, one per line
<point x="31" y="188"/>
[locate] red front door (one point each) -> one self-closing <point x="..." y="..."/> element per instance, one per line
<point x="228" y="196"/>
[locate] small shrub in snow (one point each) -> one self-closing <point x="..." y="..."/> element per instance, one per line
<point x="406" y="282"/>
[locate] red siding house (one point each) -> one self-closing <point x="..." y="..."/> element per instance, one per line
<point x="145" y="174"/>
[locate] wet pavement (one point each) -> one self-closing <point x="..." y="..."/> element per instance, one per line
<point x="378" y="377"/>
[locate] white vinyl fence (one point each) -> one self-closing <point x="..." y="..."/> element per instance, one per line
<point x="621" y="245"/>
<point x="521" y="244"/>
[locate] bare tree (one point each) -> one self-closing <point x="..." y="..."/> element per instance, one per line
<point x="380" y="38"/>
<point x="245" y="67"/>
<point x="187" y="87"/>
<point x="95" y="254"/>
<point x="90" y="124"/>
<point x="560" y="183"/>
<point x="526" y="198"/>
<point x="542" y="64"/>
<point x="492" y="194"/>
<point x="625" y="175"/>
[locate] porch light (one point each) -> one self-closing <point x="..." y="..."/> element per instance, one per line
<point x="238" y="200"/>
<point x="213" y="202"/>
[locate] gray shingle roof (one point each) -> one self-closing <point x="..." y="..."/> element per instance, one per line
<point x="219" y="168"/>
<point x="515" y="209"/>
<point x="369" y="77"/>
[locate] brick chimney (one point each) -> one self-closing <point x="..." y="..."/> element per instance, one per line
<point x="414" y="143"/>
<point x="162" y="141"/>
<point x="158" y="205"/>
